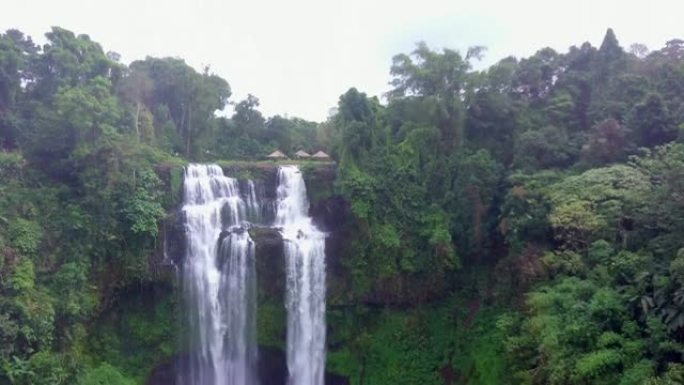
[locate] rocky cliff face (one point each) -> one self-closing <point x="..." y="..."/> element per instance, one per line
<point x="330" y="213"/>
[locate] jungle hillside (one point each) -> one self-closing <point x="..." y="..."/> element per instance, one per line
<point x="518" y="224"/>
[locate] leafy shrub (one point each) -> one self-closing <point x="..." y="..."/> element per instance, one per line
<point x="104" y="374"/>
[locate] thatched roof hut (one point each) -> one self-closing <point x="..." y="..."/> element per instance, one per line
<point x="301" y="154"/>
<point x="320" y="155"/>
<point x="277" y="154"/>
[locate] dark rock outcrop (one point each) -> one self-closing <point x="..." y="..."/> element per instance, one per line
<point x="166" y="372"/>
<point x="270" y="262"/>
<point x="174" y="237"/>
<point x="271" y="368"/>
<point x="264" y="172"/>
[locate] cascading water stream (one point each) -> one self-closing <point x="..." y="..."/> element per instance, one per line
<point x="305" y="267"/>
<point x="218" y="280"/>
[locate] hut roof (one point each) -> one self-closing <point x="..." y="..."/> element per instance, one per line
<point x="277" y="154"/>
<point x="320" y="155"/>
<point x="302" y="154"/>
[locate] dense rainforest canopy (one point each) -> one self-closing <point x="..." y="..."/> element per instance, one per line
<point x="521" y="224"/>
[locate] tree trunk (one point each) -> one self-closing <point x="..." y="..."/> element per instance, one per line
<point x="188" y="134"/>
<point x="181" y="127"/>
<point x="137" y="120"/>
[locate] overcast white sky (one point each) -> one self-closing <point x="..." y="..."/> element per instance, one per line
<point x="299" y="56"/>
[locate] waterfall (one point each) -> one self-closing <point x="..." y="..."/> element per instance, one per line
<point x="305" y="265"/>
<point x="218" y="280"/>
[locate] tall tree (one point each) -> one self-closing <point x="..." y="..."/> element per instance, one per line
<point x="438" y="78"/>
<point x="651" y="122"/>
<point x="16" y="53"/>
<point x="68" y="60"/>
<point x="247" y="118"/>
<point x="357" y="121"/>
<point x="136" y="88"/>
<point x="190" y="98"/>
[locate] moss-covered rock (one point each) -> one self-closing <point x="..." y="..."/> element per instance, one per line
<point x="138" y="331"/>
<point x="320" y="181"/>
<point x="169" y="252"/>
<point x="319" y="176"/>
<point x="271" y="281"/>
<point x="270" y="262"/>
<point x="263" y="171"/>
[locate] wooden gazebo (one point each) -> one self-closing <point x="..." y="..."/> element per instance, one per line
<point x="276" y="155"/>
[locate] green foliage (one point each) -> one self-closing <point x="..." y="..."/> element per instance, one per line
<point x="360" y="187"/>
<point x="651" y="122"/>
<point x="176" y="185"/>
<point x="638" y="374"/>
<point x="181" y="101"/>
<point x="591" y="205"/>
<point x="480" y="353"/>
<point x="81" y="205"/>
<point x="663" y="213"/>
<point x="608" y="142"/>
<point x="271" y="324"/>
<point x="403" y="193"/>
<point x="674" y="375"/>
<point x="25" y="236"/>
<point x="525" y="210"/>
<point x="143" y="209"/>
<point x="78" y="299"/>
<point x="11" y="165"/>
<point x="544" y="148"/>
<point x="35" y="317"/>
<point x="23" y="278"/>
<point x="470" y="199"/>
<point x="249" y="135"/>
<point x="49" y="369"/>
<point x="567" y="327"/>
<point x="584" y="325"/>
<point x="564" y="262"/>
<point x="562" y="168"/>
<point x="104" y="374"/>
<point x="426" y="344"/>
<point x="505" y="169"/>
<point x="437" y="78"/>
<point x="141" y="331"/>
